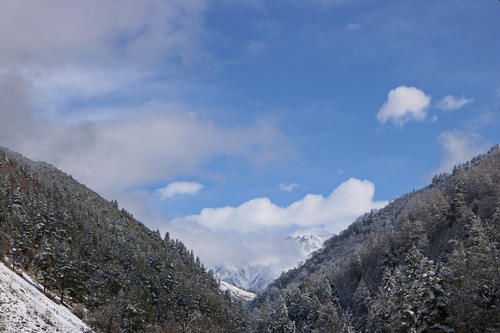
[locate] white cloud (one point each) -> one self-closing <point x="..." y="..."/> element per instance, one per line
<point x="179" y="188"/>
<point x="459" y="147"/>
<point x="334" y="212"/>
<point x="288" y="187"/>
<point x="130" y="146"/>
<point x="449" y="103"/>
<point x="353" y="27"/>
<point x="404" y="104"/>
<point x="255" y="231"/>
<point x="55" y="87"/>
<point x="58" y="30"/>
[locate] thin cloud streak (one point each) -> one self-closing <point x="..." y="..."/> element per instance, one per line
<point x="450" y="103"/>
<point x="178" y="188"/>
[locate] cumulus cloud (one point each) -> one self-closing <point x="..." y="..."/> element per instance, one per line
<point x="288" y="187"/>
<point x="255" y="231"/>
<point x="450" y="103"/>
<point x="459" y="147"/>
<point x="334" y="212"/>
<point x="179" y="188"/>
<point x="404" y="104"/>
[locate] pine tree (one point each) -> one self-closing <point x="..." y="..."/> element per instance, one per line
<point x="411" y="299"/>
<point x="45" y="265"/>
<point x="280" y="322"/>
<point x="474" y="275"/>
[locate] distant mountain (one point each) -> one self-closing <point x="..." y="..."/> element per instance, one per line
<point x="256" y="278"/>
<point x="427" y="262"/>
<point x="253" y="278"/>
<point x="309" y="243"/>
<point x="94" y="255"/>
<point x="237" y="293"/>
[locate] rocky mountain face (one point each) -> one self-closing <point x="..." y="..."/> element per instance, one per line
<point x="428" y="262"/>
<point x="94" y="255"/>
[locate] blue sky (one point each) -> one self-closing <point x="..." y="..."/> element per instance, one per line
<point x="252" y="110"/>
<point x="323" y="84"/>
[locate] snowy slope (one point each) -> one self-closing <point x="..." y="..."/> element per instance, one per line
<point x="237" y="292"/>
<point x="247" y="277"/>
<point x="23" y="308"/>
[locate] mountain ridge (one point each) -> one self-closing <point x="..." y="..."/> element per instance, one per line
<point x="425" y="262"/>
<point x="90" y="252"/>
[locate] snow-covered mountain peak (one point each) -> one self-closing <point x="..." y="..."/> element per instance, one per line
<point x="309" y="243"/>
<point x="248" y="277"/>
<point x="256" y="278"/>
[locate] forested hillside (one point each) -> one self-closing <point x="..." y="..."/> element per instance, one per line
<point x="115" y="272"/>
<point x="428" y="262"/>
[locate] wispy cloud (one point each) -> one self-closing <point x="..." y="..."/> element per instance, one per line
<point x="353" y="27"/>
<point x="458" y="147"/>
<point x="142" y="144"/>
<point x="256" y="48"/>
<point x="59" y="31"/>
<point x="450" y="103"/>
<point x="179" y="188"/>
<point x="288" y="187"/>
<point x="404" y="104"/>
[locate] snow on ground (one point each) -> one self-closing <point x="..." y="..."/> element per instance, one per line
<point x="23" y="308"/>
<point x="236" y="292"/>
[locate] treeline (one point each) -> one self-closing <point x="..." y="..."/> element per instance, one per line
<point x="428" y="262"/>
<point x="117" y="274"/>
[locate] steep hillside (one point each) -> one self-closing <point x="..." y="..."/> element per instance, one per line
<point x="89" y="252"/>
<point x="426" y="262"/>
<point x="24" y="308"/>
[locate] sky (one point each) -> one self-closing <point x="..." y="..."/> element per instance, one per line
<point x="233" y="124"/>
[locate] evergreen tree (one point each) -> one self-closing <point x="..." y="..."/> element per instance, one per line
<point x="411" y="299"/>
<point x="45" y="265"/>
<point x="280" y="322"/>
